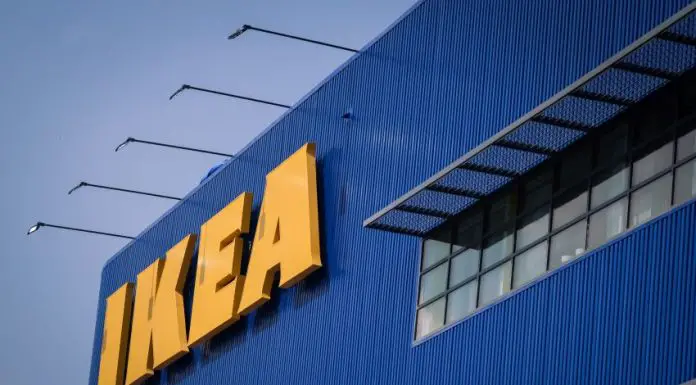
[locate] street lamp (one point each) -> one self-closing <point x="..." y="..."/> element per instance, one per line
<point x="86" y="184"/>
<point x="247" y="27"/>
<point x="247" y="98"/>
<point x="39" y="225"/>
<point x="133" y="140"/>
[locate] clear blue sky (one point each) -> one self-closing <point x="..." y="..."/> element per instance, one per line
<point x="78" y="78"/>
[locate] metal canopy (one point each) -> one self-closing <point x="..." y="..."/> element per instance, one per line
<point x="654" y="60"/>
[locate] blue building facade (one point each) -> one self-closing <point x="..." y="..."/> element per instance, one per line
<point x="444" y="78"/>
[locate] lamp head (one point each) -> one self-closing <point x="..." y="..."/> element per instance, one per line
<point x="34" y="228"/>
<point x="124" y="144"/>
<point x="183" y="87"/>
<point x="238" y="32"/>
<point x="81" y="184"/>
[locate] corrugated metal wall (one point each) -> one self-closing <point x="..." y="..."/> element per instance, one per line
<point x="446" y="77"/>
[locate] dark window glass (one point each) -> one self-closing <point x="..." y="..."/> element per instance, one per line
<point x="433" y="283"/>
<point x="569" y="206"/>
<point x="575" y="167"/>
<point x="497" y="248"/>
<point x="686" y="145"/>
<point x="468" y="234"/>
<point x="530" y="264"/>
<point x="651" y="200"/>
<point x="612" y="146"/>
<point x="685" y="183"/>
<point x="430" y="318"/>
<point x="568" y="244"/>
<point x="532" y="228"/>
<point x="461" y="302"/>
<point x="463" y="266"/>
<point x="607" y="223"/>
<point x="609" y="185"/>
<point x="502" y="212"/>
<point x="536" y="191"/>
<point x="652" y="163"/>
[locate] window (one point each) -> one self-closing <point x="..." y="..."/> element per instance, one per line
<point x="532" y="228"/>
<point x="495" y="283"/>
<point x="607" y="223"/>
<point x="651" y="200"/>
<point x="530" y="264"/>
<point x="434" y="251"/>
<point x="497" y="248"/>
<point x="652" y="164"/>
<point x="464" y="265"/>
<point x="686" y="145"/>
<point x="685" y="183"/>
<point x="433" y="283"/>
<point x="603" y="184"/>
<point x="568" y="244"/>
<point x="569" y="207"/>
<point x="430" y="318"/>
<point x="461" y="302"/>
<point x="609" y="186"/>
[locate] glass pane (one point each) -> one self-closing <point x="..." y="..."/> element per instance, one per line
<point x="495" y="283"/>
<point x="610" y="187"/>
<point x="569" y="209"/>
<point x="575" y="166"/>
<point x="434" y="251"/>
<point x="433" y="283"/>
<point x="536" y="191"/>
<point x="651" y="200"/>
<point x="464" y="266"/>
<point x="461" y="302"/>
<point x="530" y="264"/>
<point x="468" y="234"/>
<point x="501" y="212"/>
<point x="607" y="223"/>
<point x="685" y="185"/>
<point x="430" y="318"/>
<point x="652" y="164"/>
<point x="497" y="248"/>
<point x="686" y="145"/>
<point x="613" y="145"/>
<point x="532" y="228"/>
<point x="568" y="244"/>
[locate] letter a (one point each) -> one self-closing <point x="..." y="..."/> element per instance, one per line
<point x="287" y="234"/>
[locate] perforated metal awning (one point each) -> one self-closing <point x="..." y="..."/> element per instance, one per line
<point x="649" y="63"/>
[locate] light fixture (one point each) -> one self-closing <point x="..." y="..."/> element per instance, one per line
<point x="133" y="140"/>
<point x="124" y="144"/>
<point x="247" y="98"/>
<point x="247" y="27"/>
<point x="39" y="225"/>
<point x="34" y="228"/>
<point x="86" y="184"/>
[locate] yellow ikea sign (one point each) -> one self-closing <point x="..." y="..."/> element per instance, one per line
<point x="286" y="240"/>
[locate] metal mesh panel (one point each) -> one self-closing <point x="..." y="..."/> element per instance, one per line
<point x="544" y="136"/>
<point x="467" y="180"/>
<point x="624" y="85"/>
<point x="408" y="222"/>
<point x="583" y="111"/>
<point x="507" y="159"/>
<point x="441" y="202"/>
<point x="664" y="55"/>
